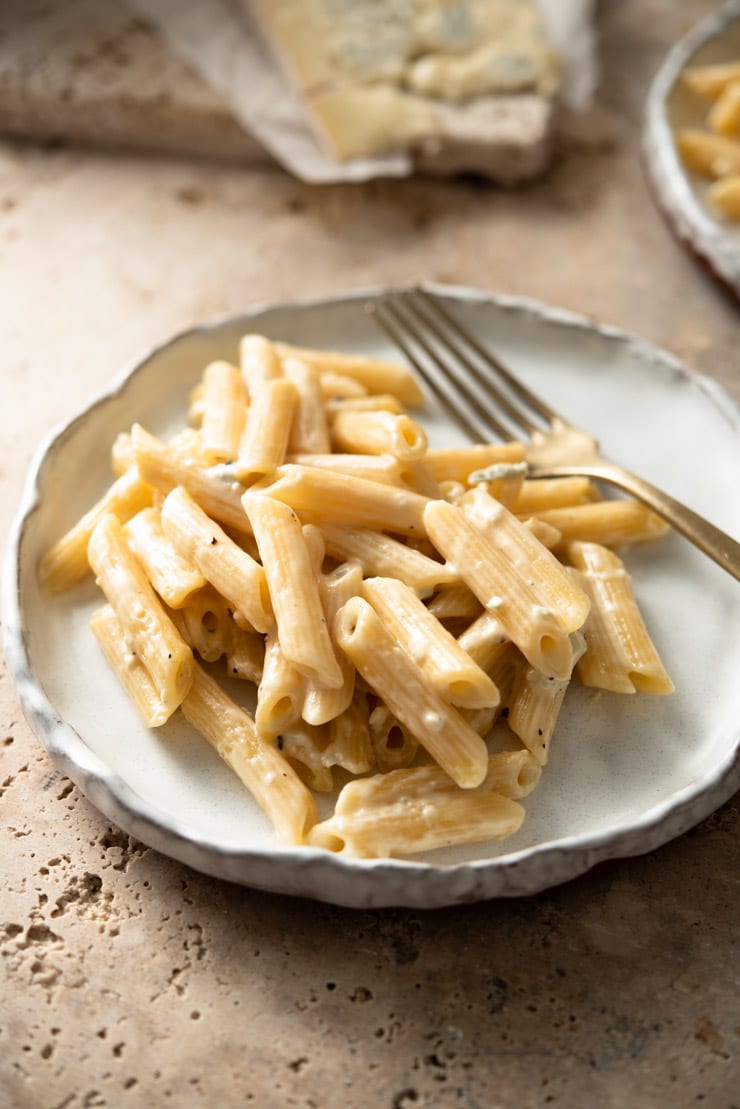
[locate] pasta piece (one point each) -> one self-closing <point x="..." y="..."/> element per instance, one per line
<point x="129" y="669"/>
<point x="309" y="431"/>
<point x="349" y="743"/>
<point x="273" y="783"/>
<point x="610" y="523"/>
<point x="316" y="548"/>
<point x="259" y="362"/>
<point x="335" y="589"/>
<point x="303" y="747"/>
<point x="398" y="681"/>
<point x="66" y="562"/>
<point x="543" y="532"/>
<point x="535" y="702"/>
<point x="304" y="636"/>
<point x="334" y="385"/>
<point x="231" y="571"/>
<point x="224" y="411"/>
<point x="374" y="467"/>
<point x="379" y="433"/>
<point x="620" y="654"/>
<point x="368" y="402"/>
<point x="122" y="454"/>
<point x="280" y="692"/>
<point x="551" y="584"/>
<point x="393" y="745"/>
<point x="536" y="495"/>
<point x="265" y="440"/>
<point x="482" y="639"/>
<point x="724" y="118"/>
<point x="150" y="634"/>
<point x="725" y="195"/>
<point x="455" y="601"/>
<point x="380" y="555"/>
<point x="457" y="463"/>
<point x="415" y="475"/>
<point x="375" y="374"/>
<point x="710" y="81"/>
<point x="446" y="667"/>
<point x="503" y="589"/>
<point x="161" y="466"/>
<point x="205" y="623"/>
<point x="172" y="576"/>
<point x="419" y="809"/>
<point x="707" y="154"/>
<point x="481" y="720"/>
<point x="320" y="496"/>
<point x="245" y="655"/>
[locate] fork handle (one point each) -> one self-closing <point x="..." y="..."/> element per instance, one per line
<point x="714" y="542"/>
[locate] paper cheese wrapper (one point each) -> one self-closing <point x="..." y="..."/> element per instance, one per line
<point x="224" y="43"/>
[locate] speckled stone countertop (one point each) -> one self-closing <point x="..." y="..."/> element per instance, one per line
<point x="129" y="980"/>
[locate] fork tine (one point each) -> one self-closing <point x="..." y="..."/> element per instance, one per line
<point x="426" y="311"/>
<point x="455" y="395"/>
<point x="517" y="387"/>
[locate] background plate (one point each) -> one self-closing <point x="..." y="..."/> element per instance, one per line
<point x="681" y="194"/>
<point x="626" y="773"/>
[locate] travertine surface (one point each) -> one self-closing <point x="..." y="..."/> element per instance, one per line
<point x="128" y="980"/>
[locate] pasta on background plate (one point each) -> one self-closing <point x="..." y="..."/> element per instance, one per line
<point x="386" y="604"/>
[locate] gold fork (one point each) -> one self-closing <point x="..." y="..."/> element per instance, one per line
<point x="467" y="378"/>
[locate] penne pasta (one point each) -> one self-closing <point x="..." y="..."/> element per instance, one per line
<point x="446" y="666"/>
<point x="270" y="779"/>
<point x="280" y="692"/>
<point x="610" y="523"/>
<point x="174" y="579"/>
<point x="149" y="633"/>
<point x="374" y="467"/>
<point x="710" y="81"/>
<point x="320" y="703"/>
<point x="457" y="463"/>
<point x="302" y="629"/>
<point x="231" y="571"/>
<point x="393" y="675"/>
<point x="259" y="361"/>
<point x="320" y="496"/>
<point x="534" y="703"/>
<point x="507" y="588"/>
<point x="379" y="433"/>
<point x="708" y="155"/>
<point x="375" y="374"/>
<point x="350" y="745"/>
<point x="66" y="563"/>
<point x="367" y="402"/>
<point x="160" y="465"/>
<point x="269" y="419"/>
<point x="420" y="809"/>
<point x="303" y="746"/>
<point x="620" y="654"/>
<point x="223" y="412"/>
<point x="130" y="670"/>
<point x="559" y="492"/>
<point x="380" y="555"/>
<point x="393" y="745"/>
<point x="335" y="386"/>
<point x="309" y="430"/>
<point x="205" y="623"/>
<point x="454" y="602"/>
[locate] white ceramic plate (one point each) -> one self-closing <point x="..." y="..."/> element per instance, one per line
<point x="681" y="194"/>
<point x="626" y="773"/>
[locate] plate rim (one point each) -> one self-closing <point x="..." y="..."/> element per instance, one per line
<point x="313" y="872"/>
<point x="693" y="226"/>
